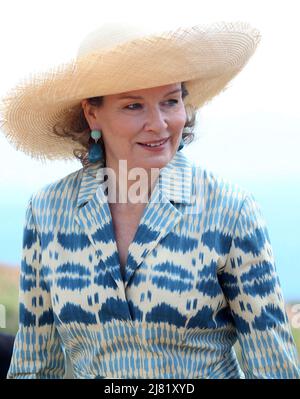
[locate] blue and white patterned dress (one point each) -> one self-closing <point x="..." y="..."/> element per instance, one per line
<point x="200" y="274"/>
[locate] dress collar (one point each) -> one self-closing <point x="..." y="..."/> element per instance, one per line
<point x="174" y="182"/>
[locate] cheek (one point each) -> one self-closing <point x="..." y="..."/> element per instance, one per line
<point x="127" y="127"/>
<point x="119" y="131"/>
<point x="178" y="121"/>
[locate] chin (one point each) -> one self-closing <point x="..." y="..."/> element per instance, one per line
<point x="156" y="162"/>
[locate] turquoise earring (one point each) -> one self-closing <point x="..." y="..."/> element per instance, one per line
<point x="95" y="150"/>
<point x="181" y="145"/>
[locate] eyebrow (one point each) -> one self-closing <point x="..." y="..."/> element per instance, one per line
<point x="122" y="96"/>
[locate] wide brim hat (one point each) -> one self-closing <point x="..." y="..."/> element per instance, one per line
<point x="116" y="59"/>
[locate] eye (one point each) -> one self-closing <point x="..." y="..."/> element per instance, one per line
<point x="133" y="106"/>
<point x="172" y="102"/>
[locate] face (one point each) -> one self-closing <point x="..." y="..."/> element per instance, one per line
<point x="131" y="120"/>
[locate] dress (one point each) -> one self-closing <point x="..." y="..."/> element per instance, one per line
<point x="200" y="274"/>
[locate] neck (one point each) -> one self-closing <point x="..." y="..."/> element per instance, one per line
<point x="130" y="186"/>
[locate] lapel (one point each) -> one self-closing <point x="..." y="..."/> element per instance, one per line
<point x="174" y="185"/>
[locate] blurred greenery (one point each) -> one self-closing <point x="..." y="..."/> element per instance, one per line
<point x="9" y="283"/>
<point x="296" y="335"/>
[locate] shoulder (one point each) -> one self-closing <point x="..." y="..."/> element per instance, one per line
<point x="216" y="188"/>
<point x="209" y="182"/>
<point x="208" y="191"/>
<point x="64" y="188"/>
<point x="224" y="203"/>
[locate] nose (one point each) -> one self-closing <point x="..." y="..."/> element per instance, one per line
<point x="156" y="120"/>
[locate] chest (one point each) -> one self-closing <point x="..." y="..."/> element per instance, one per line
<point x="125" y="226"/>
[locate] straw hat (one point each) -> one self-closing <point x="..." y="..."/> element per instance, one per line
<point x="119" y="58"/>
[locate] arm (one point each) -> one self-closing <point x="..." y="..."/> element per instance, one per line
<point x="253" y="291"/>
<point x="37" y="350"/>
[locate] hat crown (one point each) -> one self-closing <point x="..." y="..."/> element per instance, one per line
<point x="110" y="35"/>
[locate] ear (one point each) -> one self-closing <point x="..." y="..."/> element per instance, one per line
<point x="90" y="114"/>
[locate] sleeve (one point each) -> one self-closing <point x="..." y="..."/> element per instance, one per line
<point x="252" y="288"/>
<point x="37" y="352"/>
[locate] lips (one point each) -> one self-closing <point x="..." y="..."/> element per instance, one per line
<point x="154" y="143"/>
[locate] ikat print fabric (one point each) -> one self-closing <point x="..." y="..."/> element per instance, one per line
<point x="200" y="275"/>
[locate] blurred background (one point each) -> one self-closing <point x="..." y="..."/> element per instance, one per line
<point x="250" y="134"/>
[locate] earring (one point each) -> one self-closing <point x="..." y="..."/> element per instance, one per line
<point x="95" y="150"/>
<point x="181" y="145"/>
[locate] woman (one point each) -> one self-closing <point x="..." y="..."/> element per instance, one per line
<point x="141" y="265"/>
